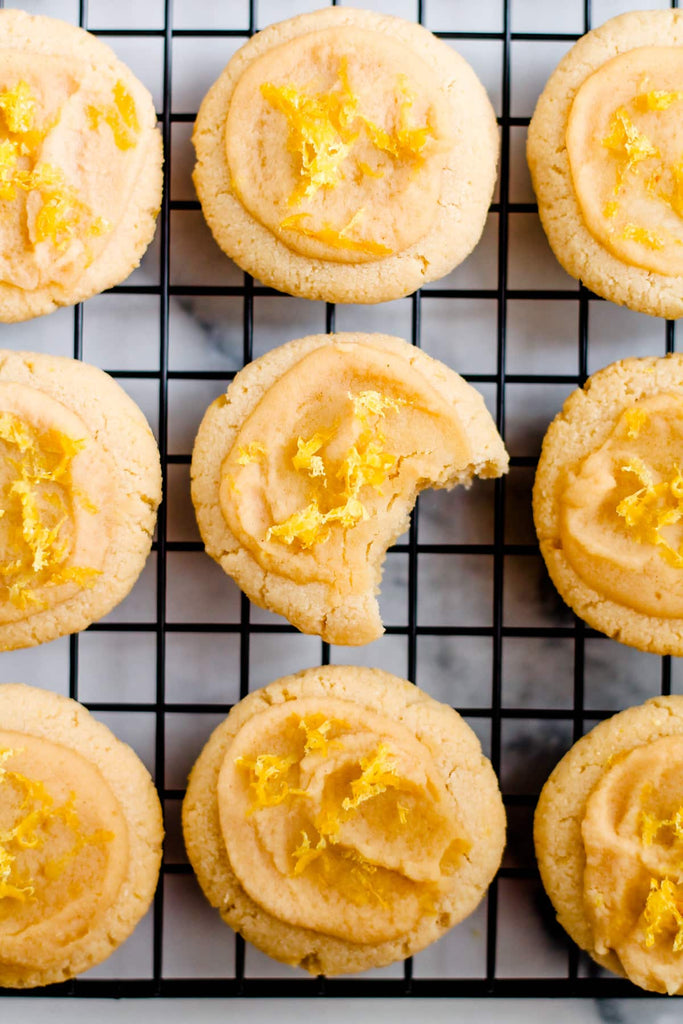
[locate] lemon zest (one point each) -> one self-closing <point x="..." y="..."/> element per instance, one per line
<point x="305" y="854"/>
<point x="306" y="457"/>
<point x="664" y="909"/>
<point x="337" y="238"/>
<point x="634" y="233"/>
<point x="269" y="780"/>
<point x="253" y="452"/>
<point x="365" y="464"/>
<point x="635" y="419"/>
<point x="378" y="773"/>
<point x="36" y="512"/>
<point x="628" y="143"/>
<point x="651" y="826"/>
<point x="32" y="831"/>
<point x="657" y="99"/>
<point x="652" y="507"/>
<point x="317" y="731"/>
<point x="121" y="117"/>
<point x="18" y="107"/>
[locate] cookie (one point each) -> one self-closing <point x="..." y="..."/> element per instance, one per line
<point x="80" y="166"/>
<point x="80" y="838"/>
<point x="604" y="151"/>
<point x="609" y="841"/>
<point x="347" y="156"/>
<point x="608" y="502"/>
<point x="341" y="819"/>
<point x="80" y="483"/>
<point x="307" y="469"/>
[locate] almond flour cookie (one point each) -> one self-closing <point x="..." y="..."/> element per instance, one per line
<point x="80" y="166"/>
<point x="608" y="502"/>
<point x="609" y="841"/>
<point x="307" y="469"/>
<point x="80" y="483"/>
<point x="347" y="156"/>
<point x="604" y="149"/>
<point x="341" y="819"/>
<point x="80" y="838"/>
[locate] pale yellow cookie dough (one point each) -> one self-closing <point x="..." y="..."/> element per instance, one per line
<point x="609" y="841"/>
<point x="80" y="838"/>
<point x="307" y="469"/>
<point x="80" y="483"/>
<point x="341" y="819"/>
<point x="346" y="155"/>
<point x="605" y="148"/>
<point x="80" y="166"/>
<point x="608" y="502"/>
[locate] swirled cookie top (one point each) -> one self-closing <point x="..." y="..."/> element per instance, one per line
<point x="621" y="510"/>
<point x="63" y="849"/>
<point x="336" y="818"/>
<point x="56" y="490"/>
<point x="633" y="880"/>
<point x="323" y="471"/>
<point x="336" y="142"/>
<point x="69" y="155"/>
<point x="625" y="149"/>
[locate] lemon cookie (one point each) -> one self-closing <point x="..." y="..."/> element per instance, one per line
<point x="80" y="838"/>
<point x="80" y="166"/>
<point x="608" y="502"/>
<point x="307" y="469"/>
<point x="609" y="841"/>
<point x="341" y="819"/>
<point x="80" y="483"/>
<point x="347" y="156"/>
<point x="605" y="150"/>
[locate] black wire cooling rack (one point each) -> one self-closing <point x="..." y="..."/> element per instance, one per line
<point x="574" y="976"/>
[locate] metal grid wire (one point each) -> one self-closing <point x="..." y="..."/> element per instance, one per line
<point x="576" y="979"/>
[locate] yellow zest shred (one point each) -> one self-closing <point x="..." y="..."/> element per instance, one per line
<point x="635" y="418"/>
<point x="121" y="116"/>
<point x="269" y="780"/>
<point x="18" y="107"/>
<point x="609" y="210"/>
<point x="664" y="912"/>
<point x="317" y="731"/>
<point x="402" y="812"/>
<point x="253" y="452"/>
<point x="62" y="213"/>
<point x="365" y="464"/>
<point x="378" y="773"/>
<point x="628" y="143"/>
<point x="651" y="826"/>
<point x="33" y="829"/>
<point x="306" y="457"/>
<point x="634" y="233"/>
<point x="322" y="129"/>
<point x="35" y="511"/>
<point x="657" y="99"/>
<point x="368" y="171"/>
<point x="338" y="238"/>
<point x="652" y="507"/>
<point x="305" y="854"/>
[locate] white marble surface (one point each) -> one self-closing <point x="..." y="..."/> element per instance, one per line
<point x="121" y="332"/>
